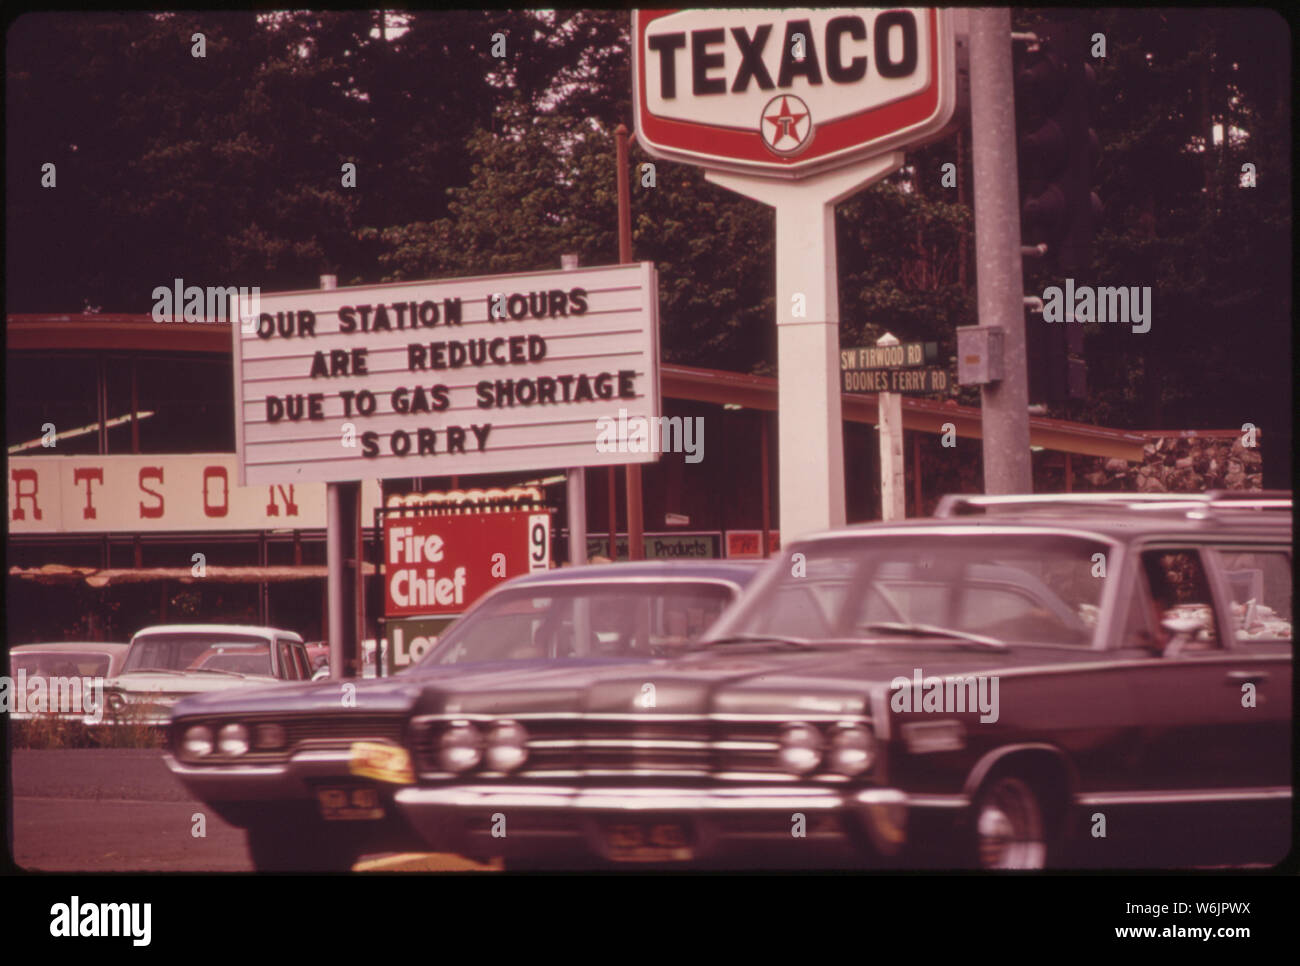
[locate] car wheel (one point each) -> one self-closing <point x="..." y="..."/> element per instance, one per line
<point x="1008" y="824"/>
<point x="301" y="846"/>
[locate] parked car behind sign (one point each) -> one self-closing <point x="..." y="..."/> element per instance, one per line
<point x="169" y="661"/>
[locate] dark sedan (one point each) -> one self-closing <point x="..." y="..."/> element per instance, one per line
<point x="309" y="770"/>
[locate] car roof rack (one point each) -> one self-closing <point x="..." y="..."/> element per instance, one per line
<point x="1195" y="505"/>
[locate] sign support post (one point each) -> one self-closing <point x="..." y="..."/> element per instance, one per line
<point x="889" y="422"/>
<point x="575" y="490"/>
<point x="810" y="433"/>
<point x="632" y="471"/>
<point x="576" y="499"/>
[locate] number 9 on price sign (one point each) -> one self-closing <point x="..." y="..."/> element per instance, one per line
<point x="539" y="542"/>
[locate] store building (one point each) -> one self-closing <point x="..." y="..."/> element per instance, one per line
<point x="105" y="526"/>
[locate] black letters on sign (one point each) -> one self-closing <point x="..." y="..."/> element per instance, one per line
<point x="666" y="46"/>
<point x="836" y="28"/>
<point x="702" y="62"/>
<point x="904" y="20"/>
<point x="808" y="66"/>
<point x="751" y="63"/>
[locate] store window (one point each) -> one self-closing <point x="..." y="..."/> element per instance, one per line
<point x="190" y="402"/>
<point x="59" y="389"/>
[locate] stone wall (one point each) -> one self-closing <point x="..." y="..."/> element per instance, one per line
<point x="1187" y="462"/>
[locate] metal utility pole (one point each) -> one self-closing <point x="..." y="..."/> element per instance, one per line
<point x="343" y="556"/>
<point x="999" y="272"/>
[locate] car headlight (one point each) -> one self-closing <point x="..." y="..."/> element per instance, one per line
<point x="461" y="747"/>
<point x="507" y="746"/>
<point x="801" y="748"/>
<point x="232" y="739"/>
<point x="116" y="703"/>
<point x="853" y="750"/>
<point x="197" y="741"/>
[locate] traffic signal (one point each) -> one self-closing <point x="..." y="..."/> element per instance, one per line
<point x="1057" y="148"/>
<point x="1057" y="154"/>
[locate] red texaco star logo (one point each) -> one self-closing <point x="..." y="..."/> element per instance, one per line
<point x="786" y="124"/>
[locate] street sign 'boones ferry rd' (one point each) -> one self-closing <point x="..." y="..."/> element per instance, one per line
<point x="790" y="92"/>
<point x="455" y="377"/>
<point x="798" y="109"/>
<point x="925" y="380"/>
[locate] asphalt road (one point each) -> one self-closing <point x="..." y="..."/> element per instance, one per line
<point x="120" y="810"/>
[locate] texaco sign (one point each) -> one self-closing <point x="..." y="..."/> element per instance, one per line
<point x="790" y="92"/>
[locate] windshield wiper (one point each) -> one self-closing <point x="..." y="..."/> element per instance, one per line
<point x="933" y="630"/>
<point x="796" y="642"/>
<point x="221" y="670"/>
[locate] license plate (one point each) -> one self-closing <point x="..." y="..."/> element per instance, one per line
<point x="648" y="842"/>
<point x="349" y="804"/>
<point x="384" y="763"/>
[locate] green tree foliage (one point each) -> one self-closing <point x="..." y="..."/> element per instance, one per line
<point x="226" y="170"/>
<point x="1217" y="255"/>
<point x="544" y="186"/>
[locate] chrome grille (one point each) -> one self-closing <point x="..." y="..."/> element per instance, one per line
<point x="340" y="727"/>
<point x="635" y="746"/>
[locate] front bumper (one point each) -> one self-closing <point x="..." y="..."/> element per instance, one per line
<point x="294" y="779"/>
<point x="751" y="825"/>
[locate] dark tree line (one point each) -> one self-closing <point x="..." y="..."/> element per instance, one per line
<point x="226" y="170"/>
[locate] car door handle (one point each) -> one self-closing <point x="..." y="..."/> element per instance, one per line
<point x="1234" y="676"/>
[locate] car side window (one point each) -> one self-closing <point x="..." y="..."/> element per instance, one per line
<point x="288" y="668"/>
<point x="1259" y="582"/>
<point x="1180" y="598"/>
<point x="304" y="666"/>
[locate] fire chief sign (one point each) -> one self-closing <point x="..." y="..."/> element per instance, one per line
<point x="442" y="564"/>
<point x="787" y="93"/>
<point x="470" y="375"/>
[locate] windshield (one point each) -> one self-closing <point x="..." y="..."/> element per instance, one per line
<point x="1012" y="588"/>
<point x="240" y="658"/>
<point x="179" y="652"/>
<point x="614" y="619"/>
<point x="86" y="664"/>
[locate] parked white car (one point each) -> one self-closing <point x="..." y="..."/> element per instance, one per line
<point x="68" y="671"/>
<point x="166" y="662"/>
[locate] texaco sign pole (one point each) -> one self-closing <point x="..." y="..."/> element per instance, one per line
<point x="809" y="419"/>
<point x="798" y="109"/>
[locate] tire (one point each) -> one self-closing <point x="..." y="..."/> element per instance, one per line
<point x="1009" y="825"/>
<point x="301" y="846"/>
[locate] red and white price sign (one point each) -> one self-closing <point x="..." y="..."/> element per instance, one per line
<point x="442" y="564"/>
